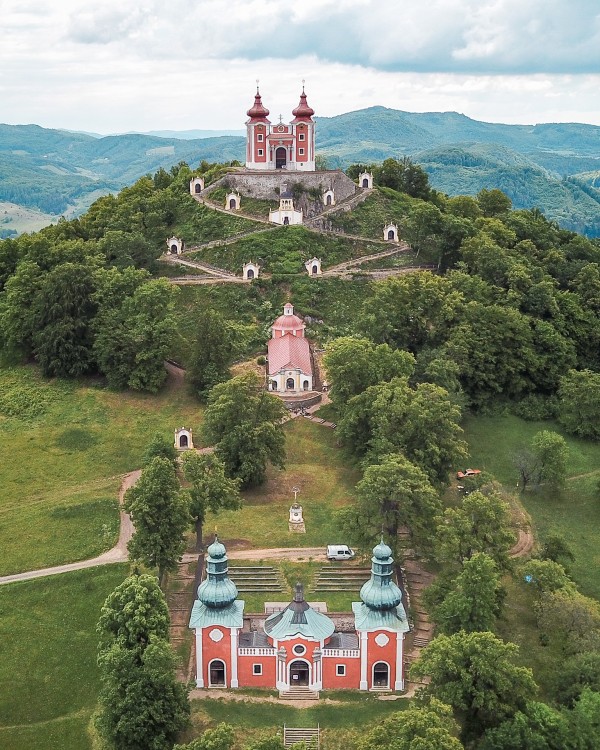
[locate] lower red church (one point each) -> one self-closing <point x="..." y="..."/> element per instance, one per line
<point x="299" y="646"/>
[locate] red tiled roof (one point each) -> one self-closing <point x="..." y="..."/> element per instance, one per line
<point x="288" y="323"/>
<point x="289" y="352"/>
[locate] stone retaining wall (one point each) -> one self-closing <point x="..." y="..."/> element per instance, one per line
<point x="269" y="185"/>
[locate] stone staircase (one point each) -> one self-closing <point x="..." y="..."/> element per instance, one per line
<point x="258" y="578"/>
<point x="309" y="735"/>
<point x="299" y="693"/>
<point x="348" y="578"/>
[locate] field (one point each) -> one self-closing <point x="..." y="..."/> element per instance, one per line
<point x="64" y="448"/>
<point x="573" y="511"/>
<point x="48" y="672"/>
<point x="317" y="467"/>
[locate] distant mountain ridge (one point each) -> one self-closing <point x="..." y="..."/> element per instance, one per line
<point x="551" y="166"/>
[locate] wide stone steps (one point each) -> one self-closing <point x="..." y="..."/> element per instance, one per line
<point x="299" y="694"/>
<point x="258" y="578"/>
<point x="308" y="735"/>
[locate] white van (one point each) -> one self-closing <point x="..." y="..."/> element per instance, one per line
<point x="339" y="552"/>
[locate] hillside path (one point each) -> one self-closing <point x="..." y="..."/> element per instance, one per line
<point x="115" y="555"/>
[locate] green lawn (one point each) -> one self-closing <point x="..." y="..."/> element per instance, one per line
<point x="352" y="712"/>
<point x="64" y="447"/>
<point x="326" y="481"/>
<point x="48" y="672"/>
<point x="574" y="511"/>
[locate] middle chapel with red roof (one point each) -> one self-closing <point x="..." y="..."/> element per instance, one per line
<point x="289" y="358"/>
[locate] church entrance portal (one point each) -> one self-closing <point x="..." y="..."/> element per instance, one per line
<point x="280" y="158"/>
<point x="183" y="441"/>
<point x="391" y="234"/>
<point x="298" y="673"/>
<point x="365" y="183"/>
<point x="381" y="675"/>
<point x="216" y="673"/>
<point x="289" y="384"/>
<point x="250" y="273"/>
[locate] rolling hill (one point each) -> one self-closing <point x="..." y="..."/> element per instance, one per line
<point x="551" y="166"/>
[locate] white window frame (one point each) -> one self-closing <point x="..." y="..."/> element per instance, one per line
<point x="300" y="136"/>
<point x="259" y="137"/>
<point x="257" y="669"/>
<point x="300" y="152"/>
<point x="261" y="152"/>
<point x="340" y="670"/>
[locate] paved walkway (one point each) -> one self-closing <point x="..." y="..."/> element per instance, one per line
<point x="117" y="554"/>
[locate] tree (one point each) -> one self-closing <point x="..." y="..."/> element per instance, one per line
<point x="245" y="423"/>
<point x="585" y="721"/>
<point x="556" y="548"/>
<point x="577" y="673"/>
<point x="160" y="446"/>
<point x="142" y="705"/>
<point x="134" y="613"/>
<point x="569" y="620"/>
<point x="210" y="490"/>
<point x="475" y="674"/>
<point x="410" y="311"/>
<point x="546" y="576"/>
<point x="160" y="513"/>
<point x="392" y="494"/>
<point x="545" y="461"/>
<point x="64" y="309"/>
<point x="474" y="602"/>
<point x="421" y="423"/>
<point x="493" y="202"/>
<point x="429" y="727"/>
<point x="579" y="395"/>
<point x="222" y="737"/>
<point x="539" y="727"/>
<point x="134" y="338"/>
<point x="480" y="524"/>
<point x="354" y="364"/>
<point x="213" y="348"/>
<point x="403" y="176"/>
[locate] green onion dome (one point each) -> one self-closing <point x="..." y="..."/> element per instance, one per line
<point x="217" y="590"/>
<point x="380" y="592"/>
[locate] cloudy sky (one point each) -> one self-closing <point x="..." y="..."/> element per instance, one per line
<point x="119" y="65"/>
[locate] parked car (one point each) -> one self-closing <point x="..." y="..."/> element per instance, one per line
<point x="467" y="473"/>
<point x="339" y="552"/>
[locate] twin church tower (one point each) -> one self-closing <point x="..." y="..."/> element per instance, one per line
<point x="280" y="146"/>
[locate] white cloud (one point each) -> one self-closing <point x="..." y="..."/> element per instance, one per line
<point x="115" y="66"/>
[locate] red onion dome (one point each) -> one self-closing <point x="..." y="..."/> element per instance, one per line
<point x="303" y="111"/>
<point x="257" y="111"/>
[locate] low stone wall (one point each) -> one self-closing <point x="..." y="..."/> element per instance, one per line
<point x="269" y="185"/>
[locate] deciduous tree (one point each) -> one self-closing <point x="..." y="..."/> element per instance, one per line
<point x="476" y="675"/>
<point x="428" y="727"/>
<point x="480" y="524"/>
<point x="579" y="395"/>
<point x="395" y="493"/>
<point x="245" y="423"/>
<point x="210" y="488"/>
<point x="160" y="513"/>
<point x="475" y="599"/>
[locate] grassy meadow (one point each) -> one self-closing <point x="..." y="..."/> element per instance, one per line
<point x="48" y="671"/>
<point x="573" y="511"/>
<point x="64" y="447"/>
<point x="326" y="482"/>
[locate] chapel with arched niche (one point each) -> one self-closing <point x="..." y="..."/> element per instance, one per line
<point x="298" y="645"/>
<point x="282" y="145"/>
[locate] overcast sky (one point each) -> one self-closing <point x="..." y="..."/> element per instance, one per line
<point x="119" y="65"/>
